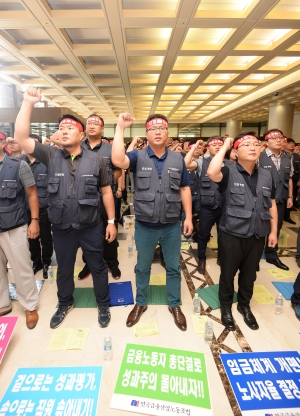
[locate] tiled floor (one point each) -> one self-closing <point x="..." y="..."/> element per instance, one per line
<point x="29" y="348"/>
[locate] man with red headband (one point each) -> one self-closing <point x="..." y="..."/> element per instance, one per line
<point x="16" y="180"/>
<point x="161" y="184"/>
<point x="248" y="215"/>
<point x="279" y="165"/>
<point x="209" y="197"/>
<point x="95" y="142"/>
<point x="75" y="178"/>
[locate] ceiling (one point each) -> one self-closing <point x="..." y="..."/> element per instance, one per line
<point x="194" y="61"/>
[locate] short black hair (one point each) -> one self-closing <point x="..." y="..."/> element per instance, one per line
<point x="96" y="115"/>
<point x="290" y="140"/>
<point x="35" y="136"/>
<point x="214" y="138"/>
<point x="270" y="131"/>
<point x="246" y="133"/>
<point x="152" y="116"/>
<point x="72" y="117"/>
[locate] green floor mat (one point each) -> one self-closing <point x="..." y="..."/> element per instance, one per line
<point x="157" y="295"/>
<point x="84" y="297"/>
<point x="210" y="296"/>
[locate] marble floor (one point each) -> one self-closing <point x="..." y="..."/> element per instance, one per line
<point x="29" y="348"/>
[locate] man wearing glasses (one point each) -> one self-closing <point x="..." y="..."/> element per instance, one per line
<point x="161" y="184"/>
<point x="248" y="215"/>
<point x="278" y="164"/>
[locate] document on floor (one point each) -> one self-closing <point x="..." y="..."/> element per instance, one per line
<point x="199" y="323"/>
<point x="7" y="326"/>
<point x="213" y="243"/>
<point x="68" y="339"/>
<point x="158" y="279"/>
<point x="145" y="329"/>
<point x="262" y="295"/>
<point x="281" y="274"/>
<point x="185" y="245"/>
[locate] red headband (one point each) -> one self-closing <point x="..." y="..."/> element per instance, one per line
<point x="215" y="141"/>
<point x="73" y="122"/>
<point x="273" y="134"/>
<point x="239" y="141"/>
<point x="156" y="121"/>
<point x="95" y="119"/>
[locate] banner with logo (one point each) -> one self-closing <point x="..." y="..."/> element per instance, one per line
<point x="49" y="391"/>
<point x="7" y="326"/>
<point x="265" y="383"/>
<point x="162" y="382"/>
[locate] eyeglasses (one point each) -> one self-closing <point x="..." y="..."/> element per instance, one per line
<point x="94" y="125"/>
<point x="276" y="138"/>
<point x="161" y="128"/>
<point x="250" y="145"/>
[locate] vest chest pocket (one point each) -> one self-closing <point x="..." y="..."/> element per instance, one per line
<point x="287" y="171"/>
<point x="174" y="180"/>
<point x="238" y="220"/>
<point x="42" y="181"/>
<point x="88" y="211"/>
<point x="237" y="196"/>
<point x="207" y="198"/>
<point x="267" y="198"/>
<point x="91" y="186"/>
<point x="55" y="210"/>
<point x="205" y="182"/>
<point x="8" y="189"/>
<point x="143" y="180"/>
<point x="265" y="225"/>
<point x="53" y="185"/>
<point x="173" y="205"/>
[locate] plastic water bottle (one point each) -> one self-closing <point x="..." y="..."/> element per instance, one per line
<point x="130" y="251"/>
<point x="50" y="275"/>
<point x="108" y="352"/>
<point x="279" y="304"/>
<point x="196" y="305"/>
<point x="208" y="332"/>
<point x="53" y="259"/>
<point x="133" y="240"/>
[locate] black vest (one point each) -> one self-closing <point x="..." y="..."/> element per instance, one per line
<point x="74" y="203"/>
<point x="12" y="196"/>
<point x="208" y="190"/>
<point x="296" y="165"/>
<point x="193" y="175"/>
<point x="41" y="180"/>
<point x="281" y="177"/>
<point x="105" y="151"/>
<point x="158" y="199"/>
<point x="244" y="215"/>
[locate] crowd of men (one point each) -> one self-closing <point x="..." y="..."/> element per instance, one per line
<point x="68" y="194"/>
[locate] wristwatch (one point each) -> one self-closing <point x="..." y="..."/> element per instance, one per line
<point x="111" y="221"/>
<point x="291" y="197"/>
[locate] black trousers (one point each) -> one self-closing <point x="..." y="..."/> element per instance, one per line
<point x="66" y="243"/>
<point x="271" y="252"/>
<point x="41" y="248"/>
<point x="207" y="218"/>
<point x="241" y="254"/>
<point x="296" y="295"/>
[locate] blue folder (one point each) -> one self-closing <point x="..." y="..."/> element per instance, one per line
<point x="120" y="294"/>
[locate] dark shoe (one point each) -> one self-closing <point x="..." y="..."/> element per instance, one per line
<point x="60" y="315"/>
<point x="45" y="271"/>
<point x="249" y="318"/>
<point x="298" y="262"/>
<point x="162" y="262"/>
<point x="258" y="268"/>
<point x="227" y="318"/>
<point x="6" y="312"/>
<point x="290" y="221"/>
<point x="135" y="314"/>
<point x="201" y="266"/>
<point x="85" y="272"/>
<point x="32" y="318"/>
<point x="294" y="209"/>
<point x="218" y="262"/>
<point x="296" y="307"/>
<point x="116" y="273"/>
<point x="37" y="267"/>
<point x="277" y="263"/>
<point x="103" y="316"/>
<point x="179" y="318"/>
